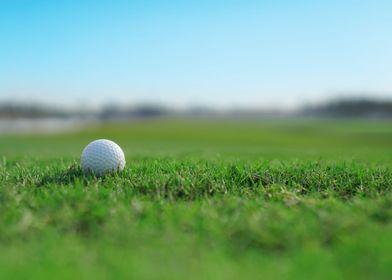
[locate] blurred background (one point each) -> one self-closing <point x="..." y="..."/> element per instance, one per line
<point x="257" y="135"/>
<point x="64" y="64"/>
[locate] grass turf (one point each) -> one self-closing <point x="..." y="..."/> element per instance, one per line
<point x="201" y="199"/>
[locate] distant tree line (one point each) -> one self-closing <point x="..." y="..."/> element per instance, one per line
<point x="141" y="111"/>
<point x="10" y="110"/>
<point x="364" y="108"/>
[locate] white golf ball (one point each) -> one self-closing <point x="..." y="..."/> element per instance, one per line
<point x="102" y="157"/>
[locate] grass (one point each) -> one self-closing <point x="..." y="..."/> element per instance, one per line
<point x="201" y="199"/>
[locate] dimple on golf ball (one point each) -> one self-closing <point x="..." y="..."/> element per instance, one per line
<point x="102" y="157"/>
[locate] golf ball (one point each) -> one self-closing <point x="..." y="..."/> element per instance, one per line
<point x="102" y="157"/>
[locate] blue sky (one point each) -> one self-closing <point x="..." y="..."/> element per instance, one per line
<point x="221" y="53"/>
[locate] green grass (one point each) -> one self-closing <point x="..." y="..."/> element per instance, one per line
<point x="201" y="199"/>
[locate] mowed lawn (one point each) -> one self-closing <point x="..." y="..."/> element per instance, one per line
<point x="201" y="199"/>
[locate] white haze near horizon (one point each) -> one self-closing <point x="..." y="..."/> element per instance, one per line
<point x="284" y="102"/>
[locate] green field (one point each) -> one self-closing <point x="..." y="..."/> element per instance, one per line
<point x="199" y="199"/>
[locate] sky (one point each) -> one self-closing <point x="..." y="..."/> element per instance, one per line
<point x="278" y="54"/>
